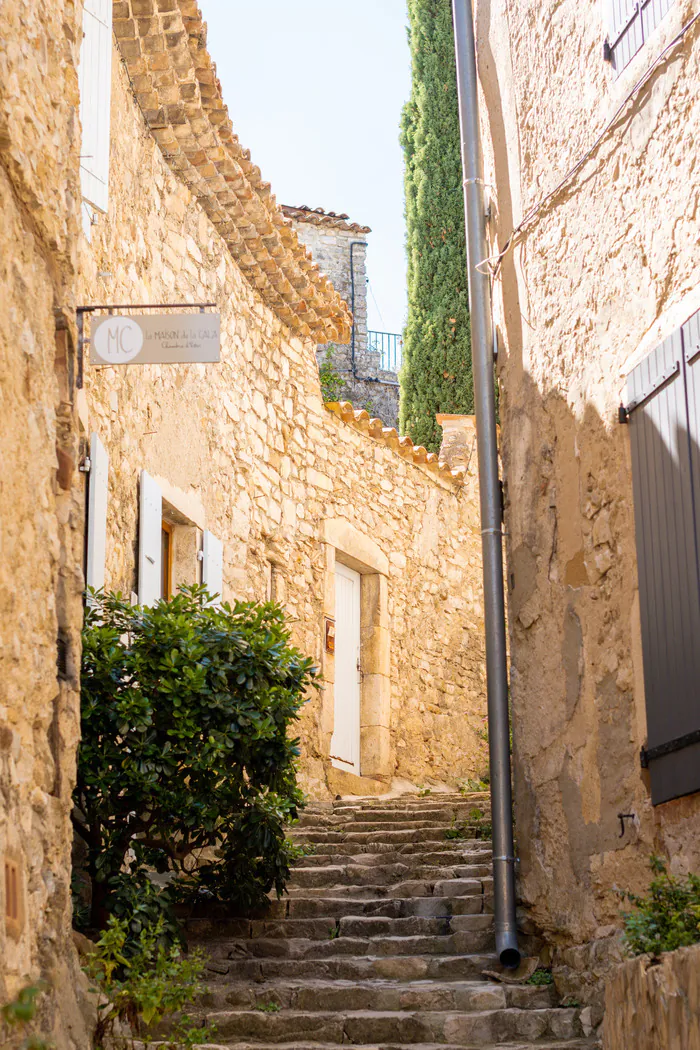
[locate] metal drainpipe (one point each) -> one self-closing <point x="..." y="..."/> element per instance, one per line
<point x="353" y="244"/>
<point x="490" y="490"/>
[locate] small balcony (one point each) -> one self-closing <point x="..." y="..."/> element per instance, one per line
<point x="389" y="346"/>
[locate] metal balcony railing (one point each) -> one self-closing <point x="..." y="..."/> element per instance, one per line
<point x="390" y="346"/>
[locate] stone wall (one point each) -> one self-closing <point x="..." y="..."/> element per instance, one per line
<point x="329" y="239"/>
<point x="606" y="267"/>
<point x="247" y="450"/>
<point x="653" y="1003"/>
<point x="41" y="509"/>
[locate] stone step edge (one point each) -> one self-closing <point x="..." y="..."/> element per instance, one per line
<point x="576" y="1044"/>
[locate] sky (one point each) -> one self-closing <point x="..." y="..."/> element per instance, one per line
<point x="315" y="90"/>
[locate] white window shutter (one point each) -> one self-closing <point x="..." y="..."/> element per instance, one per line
<point x="95" y="96"/>
<point x="213" y="566"/>
<point x="98" y="489"/>
<point x="150" y="541"/>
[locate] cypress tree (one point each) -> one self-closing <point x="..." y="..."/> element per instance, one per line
<point x="437" y="370"/>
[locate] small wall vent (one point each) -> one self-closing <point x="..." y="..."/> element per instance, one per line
<point x="14" y="898"/>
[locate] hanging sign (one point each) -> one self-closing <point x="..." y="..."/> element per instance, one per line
<point x="152" y="338"/>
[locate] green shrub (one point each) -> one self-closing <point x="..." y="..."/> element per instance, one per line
<point x="185" y="714"/>
<point x="483" y="831"/>
<point x="146" y="991"/>
<point x="541" y="978"/>
<point x="667" y="917"/>
<point x="474" y="784"/>
<point x="18" y="1015"/>
<point x="458" y="830"/>
<point x="332" y="384"/>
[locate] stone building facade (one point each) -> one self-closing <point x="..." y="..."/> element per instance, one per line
<point x="340" y="248"/>
<point x="599" y="266"/>
<point x="245" y="455"/>
<point x="41" y="524"/>
<point x="122" y="181"/>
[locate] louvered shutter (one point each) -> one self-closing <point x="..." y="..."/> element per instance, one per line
<point x="652" y="13"/>
<point x="98" y="488"/>
<point x="95" y="95"/>
<point x="664" y="457"/>
<point x="213" y="566"/>
<point x="624" y="31"/>
<point x="150" y="541"/>
<point x="630" y="24"/>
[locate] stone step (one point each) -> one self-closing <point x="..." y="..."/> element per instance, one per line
<point x="399" y="849"/>
<point x="382" y="874"/>
<point x="391" y="908"/>
<point x="463" y="854"/>
<point x="320" y="995"/>
<point x="435" y="823"/>
<point x="441" y="887"/>
<point x="461" y="942"/>
<point x="205" y="930"/>
<point x="360" y="1027"/>
<point x="357" y="968"/>
<point x="326" y="927"/>
<point x="548" y="1044"/>
<point x="436" y="798"/>
<point x="443" y="812"/>
<point x="403" y="835"/>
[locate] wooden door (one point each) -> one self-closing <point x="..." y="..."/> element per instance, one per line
<point x="345" y="743"/>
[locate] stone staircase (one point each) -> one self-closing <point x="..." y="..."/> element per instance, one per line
<point x="380" y="943"/>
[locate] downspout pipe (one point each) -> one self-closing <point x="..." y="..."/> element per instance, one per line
<point x="489" y="486"/>
<point x="353" y="245"/>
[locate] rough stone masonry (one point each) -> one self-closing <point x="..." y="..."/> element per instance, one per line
<point x="245" y="450"/>
<point x="606" y="268"/>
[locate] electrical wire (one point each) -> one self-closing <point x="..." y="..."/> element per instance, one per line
<point x="493" y="263"/>
<point x="371" y="292"/>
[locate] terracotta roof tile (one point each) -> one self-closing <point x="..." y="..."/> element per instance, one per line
<point x="360" y="420"/>
<point x="319" y="217"/>
<point x="190" y="122"/>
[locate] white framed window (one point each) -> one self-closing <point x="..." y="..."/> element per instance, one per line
<point x="95" y="77"/>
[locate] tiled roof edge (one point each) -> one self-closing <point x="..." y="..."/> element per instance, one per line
<point x="360" y="420"/>
<point x="319" y="217"/>
<point x="174" y="80"/>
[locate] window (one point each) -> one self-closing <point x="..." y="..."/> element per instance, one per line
<point x="663" y="410"/>
<point x="166" y="535"/>
<point x="630" y="24"/>
<point x="14" y="898"/>
<point x="95" y="95"/>
<point x="169" y="551"/>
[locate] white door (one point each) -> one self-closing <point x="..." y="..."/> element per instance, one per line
<point x="345" y="743"/>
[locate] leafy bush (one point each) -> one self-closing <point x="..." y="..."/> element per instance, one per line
<point x="667" y="917"/>
<point x="458" y="830"/>
<point x="144" y="990"/>
<point x="483" y="831"/>
<point x="18" y="1015"/>
<point x="474" y="784"/>
<point x="185" y="712"/>
<point x="332" y="384"/>
<point x="541" y="978"/>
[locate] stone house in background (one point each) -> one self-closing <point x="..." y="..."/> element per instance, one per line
<point x="596" y="299"/>
<point x="146" y="477"/>
<point x="369" y="363"/>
